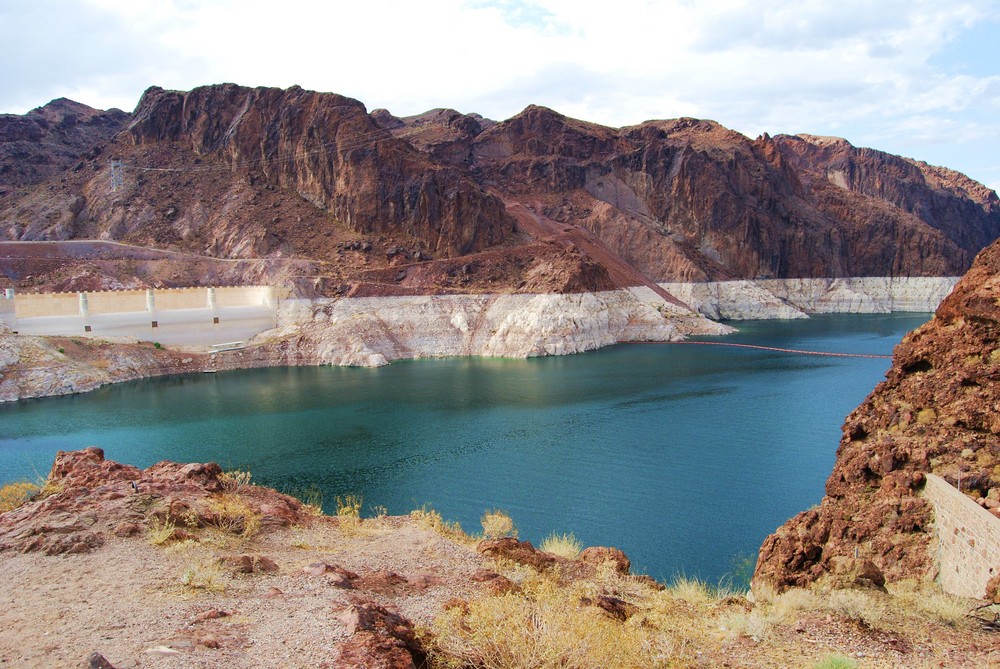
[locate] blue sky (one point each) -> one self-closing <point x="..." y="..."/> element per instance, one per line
<point x="914" y="77"/>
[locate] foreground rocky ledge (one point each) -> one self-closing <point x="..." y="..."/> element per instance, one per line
<point x="182" y="565"/>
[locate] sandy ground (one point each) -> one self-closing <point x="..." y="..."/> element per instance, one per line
<point x="127" y="600"/>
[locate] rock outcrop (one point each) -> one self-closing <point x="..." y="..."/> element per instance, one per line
<point x="87" y="499"/>
<point x="938" y="411"/>
<point x="327" y="148"/>
<point x="51" y="139"/>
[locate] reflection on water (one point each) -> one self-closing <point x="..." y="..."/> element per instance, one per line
<point x="681" y="455"/>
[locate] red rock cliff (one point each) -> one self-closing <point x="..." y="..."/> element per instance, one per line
<point x="328" y="149"/>
<point x="937" y="411"/>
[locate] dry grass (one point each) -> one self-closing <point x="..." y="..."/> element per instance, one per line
<point x="349" y="513"/>
<point x="563" y="545"/>
<point x="930" y="601"/>
<point x="15" y="494"/>
<point x="430" y="519"/>
<point x="864" y="606"/>
<point x="544" y="626"/>
<point x="205" y="575"/>
<point x="231" y="515"/>
<point x="497" y="523"/>
<point x="161" y="532"/>
<point x="235" y="479"/>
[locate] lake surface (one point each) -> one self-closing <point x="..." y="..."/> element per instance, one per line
<point x="684" y="456"/>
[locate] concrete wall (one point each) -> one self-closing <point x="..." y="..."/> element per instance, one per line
<point x="46" y="304"/>
<point x="199" y="316"/>
<point x="968" y="539"/>
<point x="35" y="305"/>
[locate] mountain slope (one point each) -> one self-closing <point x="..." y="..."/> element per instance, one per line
<point x="232" y="172"/>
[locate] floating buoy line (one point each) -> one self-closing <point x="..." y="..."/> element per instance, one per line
<point x="829" y="354"/>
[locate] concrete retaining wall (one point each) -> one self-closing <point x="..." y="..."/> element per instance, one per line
<point x="968" y="539"/>
<point x="171" y="316"/>
<point x="39" y="305"/>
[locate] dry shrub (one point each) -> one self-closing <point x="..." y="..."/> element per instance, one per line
<point x="206" y="575"/>
<point x="692" y="590"/>
<point x="15" y="494"/>
<point x="349" y="512"/>
<point x="861" y="605"/>
<point x="311" y="497"/>
<point x="563" y="545"/>
<point x="787" y="607"/>
<point x="928" y="599"/>
<point x="754" y="625"/>
<point x="542" y="627"/>
<point x="497" y="523"/>
<point x="235" y="479"/>
<point x="161" y="532"/>
<point x="430" y="519"/>
<point x="230" y="514"/>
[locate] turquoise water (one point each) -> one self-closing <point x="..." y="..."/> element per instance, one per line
<point x="683" y="456"/>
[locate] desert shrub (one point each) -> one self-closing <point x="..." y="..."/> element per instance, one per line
<point x="692" y="590"/>
<point x="15" y="494"/>
<point x="230" y="514"/>
<point x="543" y="627"/>
<point x="930" y="600"/>
<point x="235" y="479"/>
<point x="431" y="519"/>
<point x="859" y="605"/>
<point x="349" y="512"/>
<point x="787" y="606"/>
<point x="205" y="574"/>
<point x="563" y="545"/>
<point x="753" y="625"/>
<point x="496" y="524"/>
<point x="161" y="532"/>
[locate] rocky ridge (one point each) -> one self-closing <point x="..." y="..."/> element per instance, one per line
<point x="539" y="202"/>
<point x="938" y="411"/>
<point x="51" y="139"/>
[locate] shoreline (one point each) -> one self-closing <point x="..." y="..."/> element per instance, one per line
<point x="374" y="331"/>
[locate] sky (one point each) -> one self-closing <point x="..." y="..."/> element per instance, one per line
<point x="917" y="78"/>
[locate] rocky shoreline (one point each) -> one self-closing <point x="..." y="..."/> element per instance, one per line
<point x="374" y="331"/>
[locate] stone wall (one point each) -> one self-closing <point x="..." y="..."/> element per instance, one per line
<point x="968" y="539"/>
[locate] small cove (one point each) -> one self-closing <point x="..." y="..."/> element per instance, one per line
<point x="686" y="457"/>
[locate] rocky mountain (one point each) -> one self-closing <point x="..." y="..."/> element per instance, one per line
<point x="938" y="411"/>
<point x="50" y="139"/>
<point x="537" y="202"/>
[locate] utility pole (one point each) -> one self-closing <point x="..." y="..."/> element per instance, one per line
<point x="117" y="173"/>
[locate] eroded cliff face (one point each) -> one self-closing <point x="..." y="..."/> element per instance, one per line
<point x="689" y="200"/>
<point x="330" y="151"/>
<point x="937" y="411"/>
<point x="383" y="205"/>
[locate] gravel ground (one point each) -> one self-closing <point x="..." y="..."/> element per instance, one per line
<point x="127" y="600"/>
